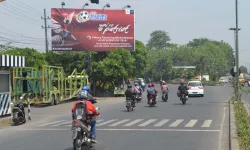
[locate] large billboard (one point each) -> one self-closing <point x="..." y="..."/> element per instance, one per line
<point x="92" y="29"/>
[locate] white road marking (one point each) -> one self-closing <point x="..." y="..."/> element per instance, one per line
<point x="176" y="123"/>
<point x="99" y="120"/>
<point x="119" y="122"/>
<point x="191" y="123"/>
<point x="161" y="130"/>
<point x="63" y="123"/>
<point x="147" y="122"/>
<point x="46" y="124"/>
<point x="106" y="122"/>
<point x="133" y="122"/>
<point x="206" y="123"/>
<point x="164" y="121"/>
<point x="221" y="129"/>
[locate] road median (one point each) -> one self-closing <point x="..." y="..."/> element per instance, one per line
<point x="239" y="126"/>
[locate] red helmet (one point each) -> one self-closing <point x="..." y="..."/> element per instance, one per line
<point x="150" y="85"/>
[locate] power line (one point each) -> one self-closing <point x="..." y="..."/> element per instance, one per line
<point x="26" y="7"/>
<point x="21" y="19"/>
<point x="18" y="36"/>
<point x="16" y="41"/>
<point x="21" y="34"/>
<point x="21" y="15"/>
<point x="21" y="10"/>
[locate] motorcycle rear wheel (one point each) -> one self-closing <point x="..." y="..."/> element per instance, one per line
<point x="183" y="102"/>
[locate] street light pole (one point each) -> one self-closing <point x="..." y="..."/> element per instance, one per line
<point x="236" y="57"/>
<point x="127" y="6"/>
<point x="107" y="5"/>
<point x="63" y="4"/>
<point x="236" y="37"/>
<point x="237" y="49"/>
<point x="86" y="4"/>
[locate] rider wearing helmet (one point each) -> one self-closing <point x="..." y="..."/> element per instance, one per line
<point x="83" y="96"/>
<point x="138" y="89"/>
<point x="183" y="88"/>
<point x="151" y="91"/>
<point x="164" y="87"/>
<point x="90" y="97"/>
<point x="129" y="93"/>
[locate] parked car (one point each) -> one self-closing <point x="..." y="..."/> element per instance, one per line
<point x="223" y="79"/>
<point x="195" y="88"/>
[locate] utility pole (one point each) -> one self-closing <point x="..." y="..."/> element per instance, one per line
<point x="45" y="27"/>
<point x="237" y="49"/>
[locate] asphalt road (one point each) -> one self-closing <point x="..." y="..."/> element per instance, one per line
<point x="170" y="125"/>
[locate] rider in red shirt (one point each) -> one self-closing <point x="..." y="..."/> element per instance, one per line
<point x="83" y="96"/>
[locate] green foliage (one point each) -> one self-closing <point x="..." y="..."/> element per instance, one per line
<point x="243" y="125"/>
<point x="158" y="40"/>
<point x="33" y="57"/>
<point x="207" y="55"/>
<point x="243" y="69"/>
<point x="117" y="65"/>
<point x="68" y="60"/>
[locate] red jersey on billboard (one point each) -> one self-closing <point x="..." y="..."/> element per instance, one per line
<point x="92" y="29"/>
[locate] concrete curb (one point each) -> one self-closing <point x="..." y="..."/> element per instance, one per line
<point x="6" y="121"/>
<point x="234" y="142"/>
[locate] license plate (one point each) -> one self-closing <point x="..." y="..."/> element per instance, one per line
<point x="194" y="92"/>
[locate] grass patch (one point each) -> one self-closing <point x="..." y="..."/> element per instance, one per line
<point x="243" y="125"/>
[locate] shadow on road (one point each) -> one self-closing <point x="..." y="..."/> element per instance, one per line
<point x="182" y="104"/>
<point x="71" y="148"/>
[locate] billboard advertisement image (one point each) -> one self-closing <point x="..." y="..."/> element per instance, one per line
<point x="92" y="29"/>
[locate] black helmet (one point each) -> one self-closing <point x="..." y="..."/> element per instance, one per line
<point x="129" y="86"/>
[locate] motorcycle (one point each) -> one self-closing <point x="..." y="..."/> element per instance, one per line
<point x="138" y="98"/>
<point x="18" y="113"/>
<point x="82" y="131"/>
<point x="129" y="105"/>
<point x="143" y="86"/>
<point x="152" y="100"/>
<point x="165" y="97"/>
<point x="183" y="98"/>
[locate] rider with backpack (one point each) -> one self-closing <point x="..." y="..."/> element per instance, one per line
<point x="89" y="109"/>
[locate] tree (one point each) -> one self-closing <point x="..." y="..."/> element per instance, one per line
<point x="140" y="56"/>
<point x="158" y="40"/>
<point x="243" y="69"/>
<point x="197" y="42"/>
<point x="117" y="65"/>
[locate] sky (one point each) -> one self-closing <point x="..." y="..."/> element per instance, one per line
<point x="184" y="20"/>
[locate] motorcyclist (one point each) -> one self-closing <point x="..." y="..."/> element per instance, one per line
<point x="86" y="88"/>
<point x="138" y="89"/>
<point x="83" y="96"/>
<point x="151" y="91"/>
<point x="164" y="87"/>
<point x="183" y="88"/>
<point x="130" y="94"/>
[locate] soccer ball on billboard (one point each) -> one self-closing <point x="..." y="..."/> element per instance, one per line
<point x="83" y="16"/>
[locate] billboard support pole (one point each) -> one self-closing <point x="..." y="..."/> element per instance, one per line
<point x="46" y="30"/>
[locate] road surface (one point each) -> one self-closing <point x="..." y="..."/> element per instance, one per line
<point x="170" y="125"/>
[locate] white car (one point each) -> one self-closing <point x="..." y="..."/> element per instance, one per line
<point x="195" y="88"/>
<point x="223" y="79"/>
